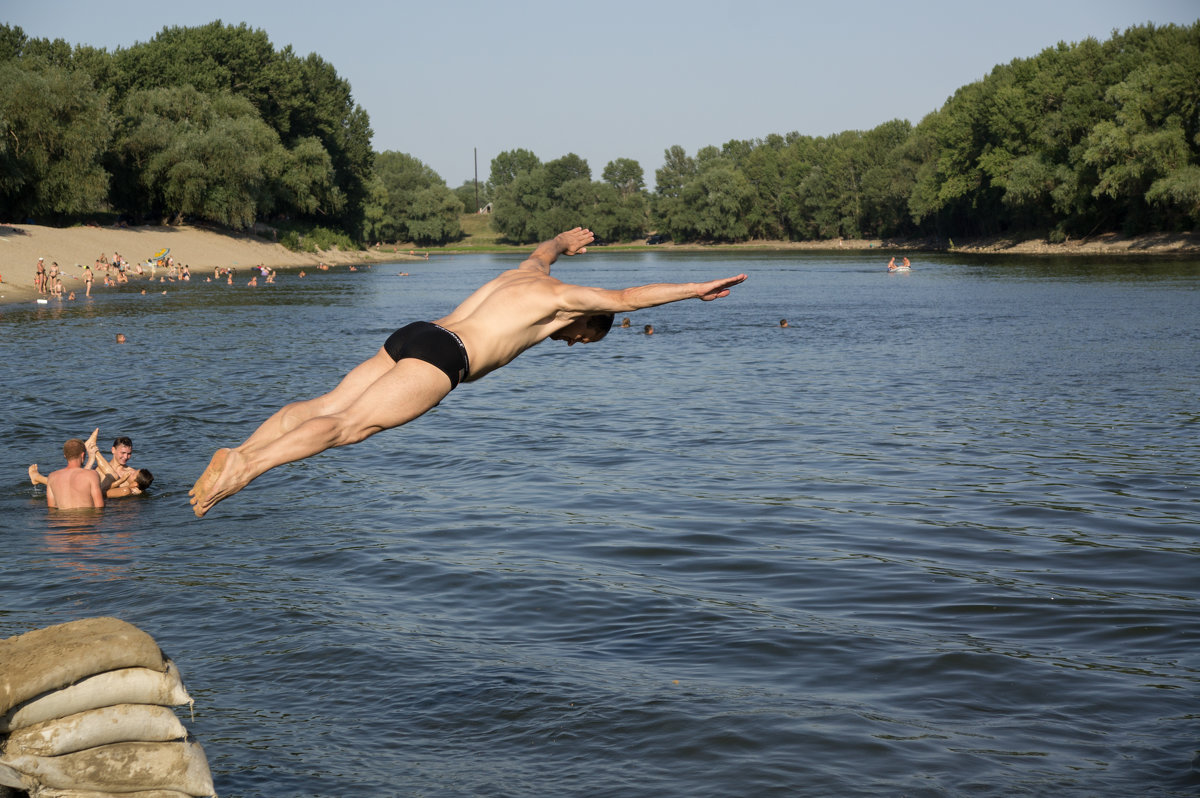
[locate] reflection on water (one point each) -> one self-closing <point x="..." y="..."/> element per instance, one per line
<point x="97" y="543"/>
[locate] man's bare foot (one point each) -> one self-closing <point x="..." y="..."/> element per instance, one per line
<point x="90" y="443"/>
<point x="33" y="474"/>
<point x="201" y="492"/>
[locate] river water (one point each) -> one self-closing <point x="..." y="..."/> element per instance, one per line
<point x="939" y="536"/>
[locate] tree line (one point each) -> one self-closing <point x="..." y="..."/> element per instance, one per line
<point x="214" y="124"/>
<point x="1082" y="138"/>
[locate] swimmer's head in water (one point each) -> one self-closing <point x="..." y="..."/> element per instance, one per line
<point x="143" y="478"/>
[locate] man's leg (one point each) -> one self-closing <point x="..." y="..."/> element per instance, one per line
<point x="408" y="390"/>
<point x="93" y="449"/>
<point x="290" y="416"/>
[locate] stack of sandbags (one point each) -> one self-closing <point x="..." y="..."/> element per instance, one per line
<point x="84" y="714"/>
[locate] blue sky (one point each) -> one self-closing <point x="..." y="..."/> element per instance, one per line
<point x="623" y="79"/>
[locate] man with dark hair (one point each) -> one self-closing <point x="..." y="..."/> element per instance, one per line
<point x="74" y="486"/>
<point x="118" y="468"/>
<point x="421" y="363"/>
<point x="122" y="450"/>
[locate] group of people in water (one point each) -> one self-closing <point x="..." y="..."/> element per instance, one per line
<point x="89" y="479"/>
<point x="898" y="267"/>
<point x="48" y="280"/>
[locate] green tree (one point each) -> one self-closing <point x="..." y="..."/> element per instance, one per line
<point x="520" y="206"/>
<point x="567" y="168"/>
<point x="184" y="153"/>
<point x="307" y="183"/>
<point x="625" y="175"/>
<point x="433" y="216"/>
<point x="417" y="206"/>
<point x="55" y="131"/>
<point x="301" y="99"/>
<point x="712" y="205"/>
<point x="667" y="210"/>
<point x="473" y="196"/>
<point x="12" y="42"/>
<point x="507" y="165"/>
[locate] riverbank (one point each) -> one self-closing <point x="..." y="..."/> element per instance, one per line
<point x="1103" y="244"/>
<point x="202" y="249"/>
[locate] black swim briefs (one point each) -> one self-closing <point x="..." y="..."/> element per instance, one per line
<point x="436" y="345"/>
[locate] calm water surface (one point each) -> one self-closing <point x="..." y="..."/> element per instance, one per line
<point x="937" y="537"/>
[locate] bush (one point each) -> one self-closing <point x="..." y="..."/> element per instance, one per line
<point x="315" y="239"/>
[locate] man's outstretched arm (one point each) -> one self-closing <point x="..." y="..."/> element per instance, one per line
<point x="572" y="242"/>
<point x="603" y="300"/>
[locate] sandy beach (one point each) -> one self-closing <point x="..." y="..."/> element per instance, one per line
<point x="200" y="249"/>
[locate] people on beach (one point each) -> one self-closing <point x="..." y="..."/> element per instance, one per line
<point x="73" y="486"/>
<point x="87" y="280"/>
<point x="39" y="276"/>
<point x="419" y="364"/>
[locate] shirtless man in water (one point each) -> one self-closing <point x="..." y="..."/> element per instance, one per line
<point x="74" y="486"/>
<point x="421" y="363"/>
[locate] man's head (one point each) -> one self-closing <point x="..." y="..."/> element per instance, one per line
<point x="74" y="449"/>
<point x="122" y="450"/>
<point x="585" y="330"/>
<point x="143" y="478"/>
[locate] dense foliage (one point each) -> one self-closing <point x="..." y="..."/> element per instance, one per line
<point x="410" y="202"/>
<point x="213" y="123"/>
<point x="1081" y="138"/>
<point x="533" y="201"/>
<point x="210" y="123"/>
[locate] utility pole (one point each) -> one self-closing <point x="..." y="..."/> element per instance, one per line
<point x="476" y="180"/>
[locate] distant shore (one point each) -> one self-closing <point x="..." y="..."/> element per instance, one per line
<point x="204" y="249"/>
<point x="1103" y="244"/>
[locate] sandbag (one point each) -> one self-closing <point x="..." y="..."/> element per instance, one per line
<point x="57" y="656"/>
<point x="121" y="768"/>
<point x="50" y="792"/>
<point x="9" y="778"/>
<point x="123" y="723"/>
<point x="125" y="686"/>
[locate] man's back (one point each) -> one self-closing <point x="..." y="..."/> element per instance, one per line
<point x="72" y="487"/>
<point x="504" y="317"/>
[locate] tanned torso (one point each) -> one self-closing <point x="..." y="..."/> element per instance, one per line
<point x="506" y="316"/>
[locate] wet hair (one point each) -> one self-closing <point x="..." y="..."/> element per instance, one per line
<point x="600" y="324"/>
<point x="73" y="448"/>
<point x="143" y="478"/>
<point x="123" y="441"/>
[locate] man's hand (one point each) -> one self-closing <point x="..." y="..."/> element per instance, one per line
<point x="574" y="242"/>
<point x="718" y="288"/>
